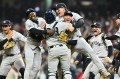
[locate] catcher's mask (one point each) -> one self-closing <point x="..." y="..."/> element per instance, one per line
<point x="50" y="16"/>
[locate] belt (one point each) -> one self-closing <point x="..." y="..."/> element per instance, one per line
<point x="79" y="36"/>
<point x="101" y="57"/>
<point x="55" y="45"/>
<point x="10" y="54"/>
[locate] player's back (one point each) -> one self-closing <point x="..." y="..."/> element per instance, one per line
<point x="59" y="27"/>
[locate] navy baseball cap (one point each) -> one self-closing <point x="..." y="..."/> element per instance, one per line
<point x="6" y="23"/>
<point x="117" y="16"/>
<point x="29" y="11"/>
<point x="98" y="25"/>
<point x="61" y="5"/>
<point x="68" y="13"/>
<point x="117" y="46"/>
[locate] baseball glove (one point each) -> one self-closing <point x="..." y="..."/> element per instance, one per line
<point x="63" y="37"/>
<point x="9" y="44"/>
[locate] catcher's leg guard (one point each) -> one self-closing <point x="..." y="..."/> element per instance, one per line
<point x="51" y="76"/>
<point x="67" y="75"/>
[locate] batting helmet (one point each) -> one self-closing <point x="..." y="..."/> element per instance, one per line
<point x="6" y="23"/>
<point x="61" y="5"/>
<point x="50" y="16"/>
<point x="29" y="11"/>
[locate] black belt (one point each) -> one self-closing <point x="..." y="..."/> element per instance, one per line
<point x="101" y="57"/>
<point x="10" y="54"/>
<point x="79" y="36"/>
<point x="55" y="45"/>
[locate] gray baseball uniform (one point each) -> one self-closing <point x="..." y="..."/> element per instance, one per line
<point x="12" y="55"/>
<point x="83" y="45"/>
<point x="101" y="51"/>
<point x="58" y="51"/>
<point x="32" y="51"/>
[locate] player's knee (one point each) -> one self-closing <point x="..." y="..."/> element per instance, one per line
<point x="52" y="76"/>
<point x="67" y="75"/>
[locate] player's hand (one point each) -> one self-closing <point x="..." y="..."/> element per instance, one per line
<point x="42" y="25"/>
<point x="111" y="69"/>
<point x="50" y="31"/>
<point x="107" y="60"/>
<point x="76" y="62"/>
<point x="104" y="36"/>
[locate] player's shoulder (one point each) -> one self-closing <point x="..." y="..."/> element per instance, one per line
<point x="62" y="22"/>
<point x="76" y="16"/>
<point x="16" y="32"/>
<point x="74" y="13"/>
<point x="28" y="21"/>
<point x="41" y="18"/>
<point x="1" y="34"/>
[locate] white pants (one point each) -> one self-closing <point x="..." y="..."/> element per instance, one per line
<point x="33" y="62"/>
<point x="56" y="54"/>
<point x="7" y="61"/>
<point x="87" y="70"/>
<point x="82" y="45"/>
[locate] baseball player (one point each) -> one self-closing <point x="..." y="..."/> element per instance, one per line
<point x="101" y="46"/>
<point x="81" y="43"/>
<point x="57" y="50"/>
<point x="117" y="23"/>
<point x="35" y="31"/>
<point x="11" y="49"/>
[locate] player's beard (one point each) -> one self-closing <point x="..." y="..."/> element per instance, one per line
<point x="35" y="18"/>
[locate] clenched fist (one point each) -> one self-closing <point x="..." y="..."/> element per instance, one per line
<point x="50" y="32"/>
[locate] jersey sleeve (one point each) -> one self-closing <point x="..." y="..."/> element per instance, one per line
<point x="118" y="33"/>
<point x="28" y="25"/>
<point x="41" y="20"/>
<point x="1" y="37"/>
<point x="76" y="16"/>
<point x="108" y="42"/>
<point x="21" y="37"/>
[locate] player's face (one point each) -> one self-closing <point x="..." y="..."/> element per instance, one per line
<point x="67" y="18"/>
<point x="60" y="11"/>
<point x="32" y="15"/>
<point x="117" y="22"/>
<point x="6" y="29"/>
<point x="96" y="30"/>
